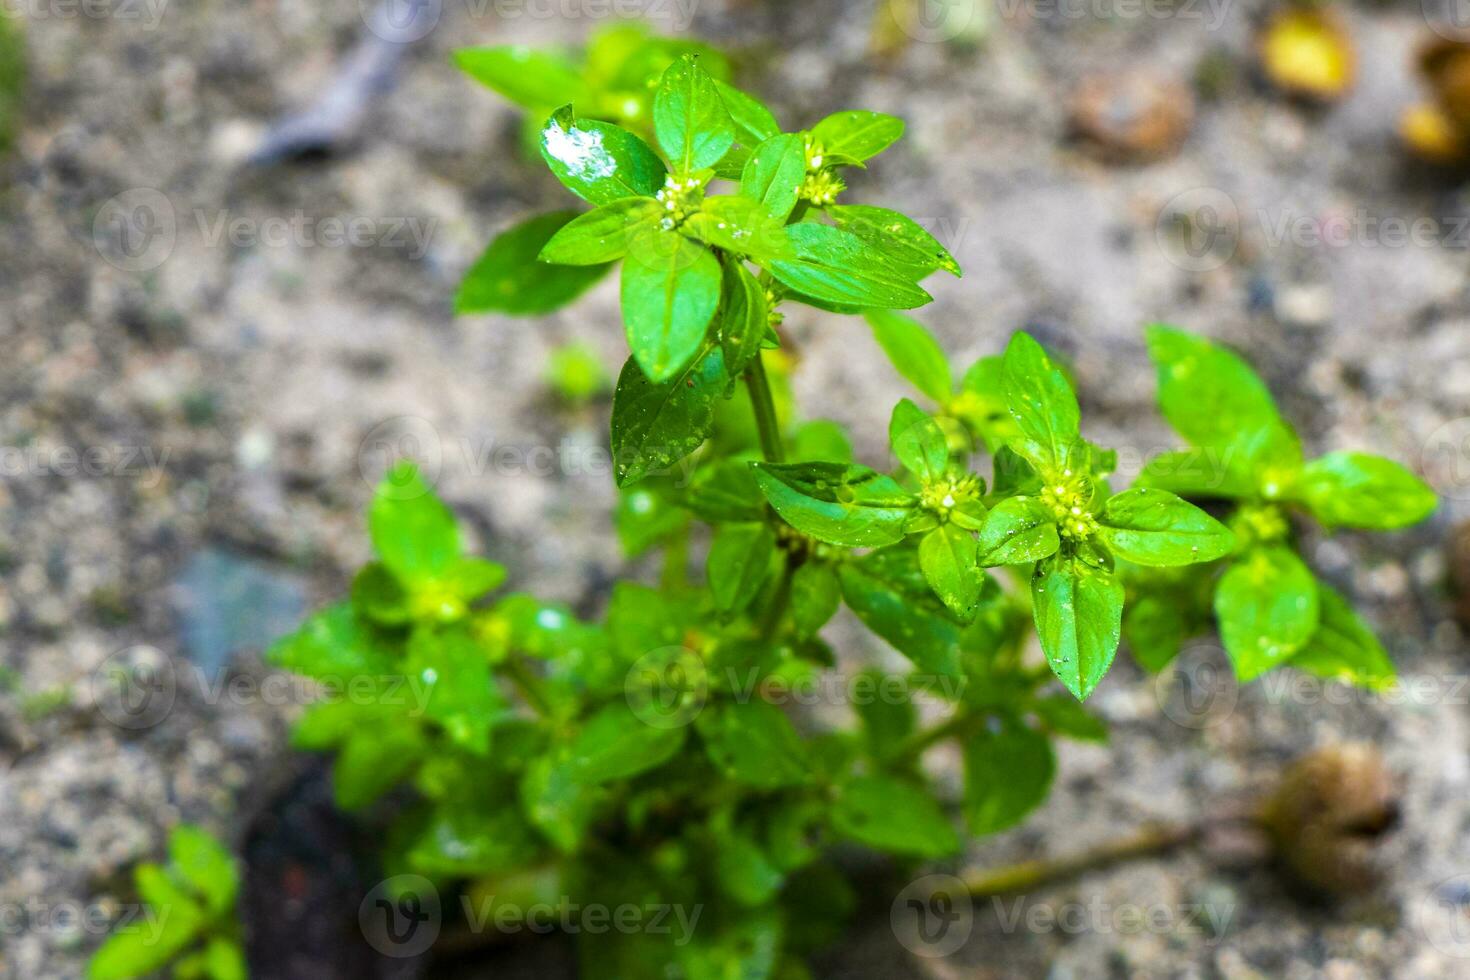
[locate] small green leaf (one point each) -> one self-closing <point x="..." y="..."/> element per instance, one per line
<point x="603" y="235"/>
<point x="597" y="161"/>
<point x="753" y="742"/>
<point x="918" y="441"/>
<point x="689" y="116"/>
<point x="1267" y="604"/>
<point x="774" y="174"/>
<point x="893" y="815"/>
<point x="815" y="596"/>
<point x="508" y="278"/>
<point x="557" y="803"/>
<point x="615" y="744"/>
<point x="334" y="644"/>
<point x="147" y="946"/>
<point x="1008" y="773"/>
<point x="1154" y="527"/>
<point x="857" y="133"/>
<point x="670" y="293"/>
<point x="897" y="236"/>
<point x="645" y="518"/>
<point x="1017" y="531"/>
<point x="450" y="671"/>
<point x="225" y="960"/>
<point x="1043" y="405"/>
<point x="888" y="592"/>
<point x="656" y="425"/>
<point x="744" y="870"/>
<point x="727" y="491"/>
<point x="914" y="352"/>
<point x="1348" y="489"/>
<point x="205" y="866"/>
<point x="947" y="556"/>
<point x="1209" y="471"/>
<point x="1064" y="716"/>
<point x="372" y="761"/>
<point x="837" y="267"/>
<point x="739" y="560"/>
<point x="886" y="711"/>
<point x="1343" y="647"/>
<point x="535" y="80"/>
<point x="754" y="123"/>
<point x="1155" y="628"/>
<point x="845" y="505"/>
<point x="1079" y="618"/>
<point x="1208" y="394"/>
<point x="743" y="316"/>
<point x="413" y="533"/>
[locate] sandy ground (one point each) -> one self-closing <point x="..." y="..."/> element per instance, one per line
<point x="191" y="433"/>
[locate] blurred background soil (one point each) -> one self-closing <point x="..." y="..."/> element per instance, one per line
<point x="230" y="403"/>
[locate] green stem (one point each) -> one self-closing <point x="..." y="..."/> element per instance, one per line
<point x="920" y="742"/>
<point x="780" y="601"/>
<point x="759" y="387"/>
<point x="675" y="574"/>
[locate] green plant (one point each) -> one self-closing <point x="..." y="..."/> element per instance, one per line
<point x="649" y="757"/>
<point x="189" y="920"/>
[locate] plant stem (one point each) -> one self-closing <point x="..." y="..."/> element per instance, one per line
<point x="920" y="742"/>
<point x="771" y="621"/>
<point x="675" y="573"/>
<point x="1147" y="842"/>
<point x="532" y="688"/>
<point x="759" y="387"/>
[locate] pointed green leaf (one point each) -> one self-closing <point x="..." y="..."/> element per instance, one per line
<point x="204" y="864"/>
<point x="1349" y="489"/>
<point x="615" y="743"/>
<point x="1043" y="405"/>
<point x="1268" y="607"/>
<point x="1344" y="648"/>
<point x="753" y="742"/>
<point x="947" y="556"/>
<point x="603" y="235"/>
<point x="739" y="560"/>
<point x="836" y="266"/>
<point x="754" y="123"/>
<point x="1208" y="394"/>
<point x="893" y="815"/>
<point x="815" y="596"/>
<point x="888" y="592"/>
<point x="413" y="533"/>
<point x="535" y="80"/>
<point x="1017" y="530"/>
<point x="857" y="133"/>
<point x="689" y="116"/>
<point x="1079" y="617"/>
<point x="1008" y="773"/>
<point x="508" y="277"/>
<point x="896" y="235"/>
<point x="914" y="352"/>
<point x="918" y="441"/>
<point x="670" y="293"/>
<point x="743" y="316"/>
<point x="1154" y="527"/>
<point x="656" y="425"/>
<point x="598" y="161"/>
<point x="845" y="505"/>
<point x="774" y="174"/>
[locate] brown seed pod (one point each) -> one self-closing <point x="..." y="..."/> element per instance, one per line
<point x="1328" y="817"/>
<point x="1133" y="117"/>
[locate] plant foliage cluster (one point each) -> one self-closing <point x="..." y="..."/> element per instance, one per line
<point x="648" y="757"/>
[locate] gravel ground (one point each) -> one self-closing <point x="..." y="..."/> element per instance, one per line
<point x="190" y="434"/>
